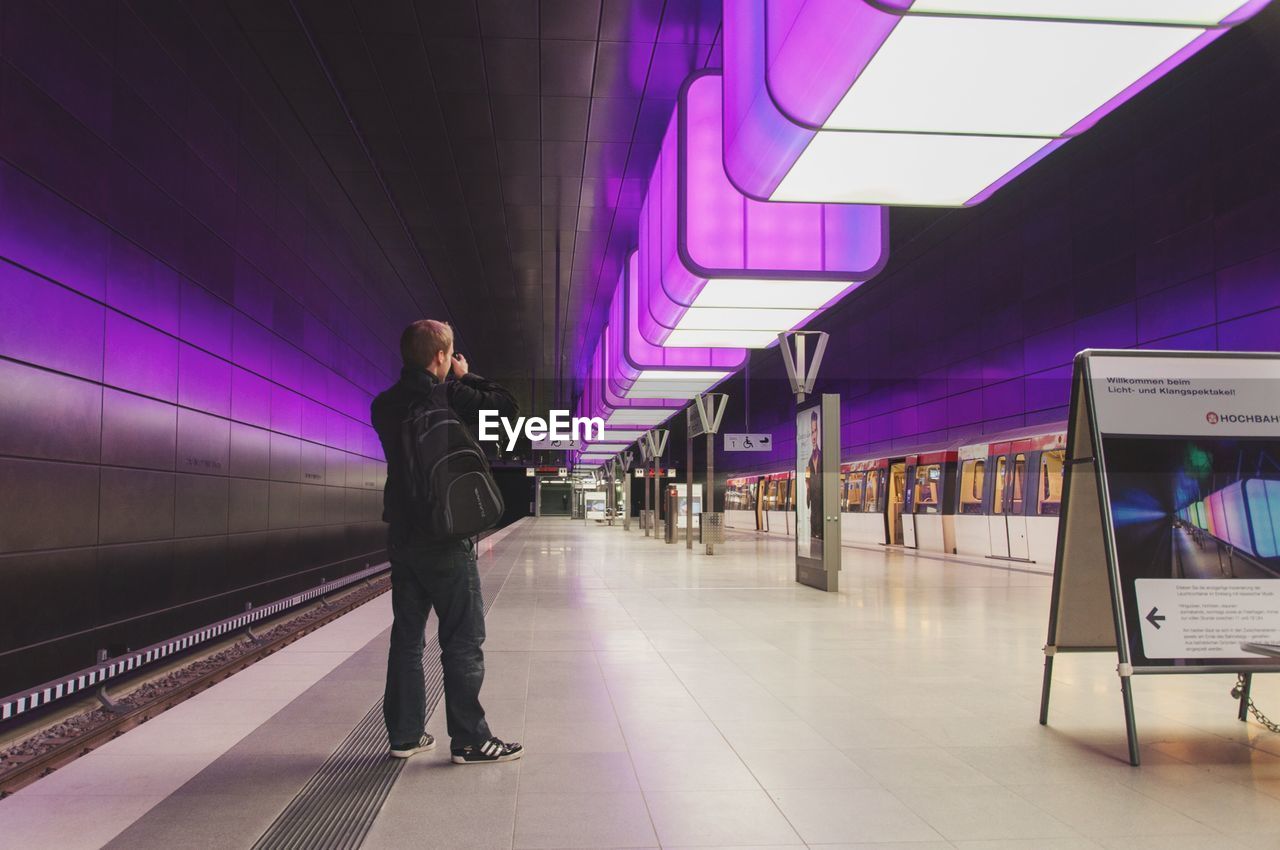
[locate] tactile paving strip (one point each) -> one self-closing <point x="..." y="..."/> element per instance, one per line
<point x="337" y="806"/>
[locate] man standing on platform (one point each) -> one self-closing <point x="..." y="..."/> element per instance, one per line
<point x="427" y="573"/>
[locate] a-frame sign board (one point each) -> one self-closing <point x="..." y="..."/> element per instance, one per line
<point x="1169" y="537"/>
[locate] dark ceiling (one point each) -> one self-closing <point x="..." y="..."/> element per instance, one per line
<point x="496" y="150"/>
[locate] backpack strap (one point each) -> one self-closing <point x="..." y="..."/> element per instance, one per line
<point x="440" y="394"/>
<point x="409" y="456"/>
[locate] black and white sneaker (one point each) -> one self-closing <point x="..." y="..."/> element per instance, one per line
<point x="403" y="751"/>
<point x="491" y="751"/>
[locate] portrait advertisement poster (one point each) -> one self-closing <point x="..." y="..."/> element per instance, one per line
<point x="595" y="504"/>
<point x="809" y="481"/>
<point x="1169" y="543"/>
<point x="682" y="504"/>
<point x="817" y="490"/>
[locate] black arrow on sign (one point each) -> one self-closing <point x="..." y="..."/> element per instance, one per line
<point x="1156" y="619"/>
<point x="764" y="439"/>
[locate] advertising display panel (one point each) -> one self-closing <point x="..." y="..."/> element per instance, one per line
<point x="682" y="508"/>
<point x="595" y="503"/>
<point x="1169" y="543"/>
<point x="809" y="481"/>
<point x="817" y="493"/>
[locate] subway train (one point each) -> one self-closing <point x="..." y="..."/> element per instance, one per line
<point x="994" y="496"/>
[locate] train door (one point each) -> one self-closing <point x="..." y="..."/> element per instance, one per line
<point x="894" y="504"/>
<point x="1015" y="510"/>
<point x="909" y="508"/>
<point x="757" y="487"/>
<point x="997" y="519"/>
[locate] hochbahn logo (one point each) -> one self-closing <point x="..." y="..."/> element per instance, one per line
<point x="1241" y="418"/>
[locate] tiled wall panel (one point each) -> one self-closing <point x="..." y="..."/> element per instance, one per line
<point x="188" y="341"/>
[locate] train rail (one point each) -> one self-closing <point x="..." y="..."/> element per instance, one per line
<point x="55" y="746"/>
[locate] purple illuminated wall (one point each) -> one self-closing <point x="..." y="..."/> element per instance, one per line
<point x="1159" y="228"/>
<point x="188" y="346"/>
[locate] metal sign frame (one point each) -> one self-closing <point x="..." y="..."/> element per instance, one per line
<point x="706" y="413"/>
<point x="1086" y="611"/>
<point x="823" y="573"/>
<point x="802" y="372"/>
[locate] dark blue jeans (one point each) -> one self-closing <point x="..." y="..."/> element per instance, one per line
<point x="443" y="577"/>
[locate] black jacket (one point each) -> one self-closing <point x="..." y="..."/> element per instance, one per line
<point x="467" y="396"/>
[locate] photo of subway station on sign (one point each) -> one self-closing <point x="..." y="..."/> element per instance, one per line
<point x="1195" y="508"/>
<point x="1197" y="537"/>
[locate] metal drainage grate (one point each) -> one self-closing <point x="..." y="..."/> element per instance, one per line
<point x="337" y="806"/>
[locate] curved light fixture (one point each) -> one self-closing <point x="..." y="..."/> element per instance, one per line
<point x="717" y="269"/>
<point x="935" y="102"/>
<point x="620" y="415"/>
<point x="637" y="369"/>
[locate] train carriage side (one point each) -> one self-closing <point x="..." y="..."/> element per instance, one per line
<point x="931" y="496"/>
<point x="999" y="499"/>
<point x="863" y="499"/>
<point x="1008" y="497"/>
<point x="741" y="501"/>
<point x="777" y="494"/>
<point x="971" y="534"/>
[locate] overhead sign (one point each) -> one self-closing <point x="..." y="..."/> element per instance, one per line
<point x="1168" y="542"/>
<point x="557" y="445"/>
<point x="748" y="442"/>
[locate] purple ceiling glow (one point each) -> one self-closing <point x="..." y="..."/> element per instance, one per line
<point x="619" y="412"/>
<point x="638" y="369"/>
<point x="719" y="269"/>
<point x="626" y="420"/>
<point x="935" y="102"/>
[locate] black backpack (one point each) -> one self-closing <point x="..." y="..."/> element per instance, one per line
<point x="451" y="489"/>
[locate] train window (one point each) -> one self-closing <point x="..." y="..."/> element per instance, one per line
<point x="853" y="486"/>
<point x="739" y="495"/>
<point x="1019" y="482"/>
<point x="928" y="480"/>
<point x="1050" y="490"/>
<point x="997" y="497"/>
<point x="871" y="496"/>
<point x="973" y="475"/>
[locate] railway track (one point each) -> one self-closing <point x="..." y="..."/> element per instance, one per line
<point x="53" y="747"/>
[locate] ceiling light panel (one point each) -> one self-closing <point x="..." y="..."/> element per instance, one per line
<point x="717" y="268"/>
<point x="636" y="368"/>
<point x="935" y="102"/>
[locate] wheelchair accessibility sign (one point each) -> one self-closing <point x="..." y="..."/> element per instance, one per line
<point x="748" y="442"/>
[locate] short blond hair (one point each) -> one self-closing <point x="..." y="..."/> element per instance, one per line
<point x="423" y="340"/>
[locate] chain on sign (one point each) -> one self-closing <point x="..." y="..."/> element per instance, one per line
<point x="1238" y="691"/>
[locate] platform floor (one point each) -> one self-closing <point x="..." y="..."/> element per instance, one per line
<point x="670" y="699"/>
